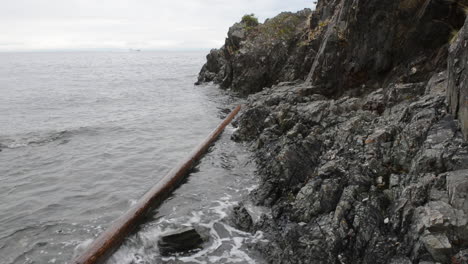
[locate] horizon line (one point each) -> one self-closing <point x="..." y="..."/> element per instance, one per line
<point x="102" y="50"/>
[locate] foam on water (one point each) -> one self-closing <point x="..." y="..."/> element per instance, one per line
<point x="223" y="243"/>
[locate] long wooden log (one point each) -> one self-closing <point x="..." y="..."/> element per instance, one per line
<point x="109" y="241"/>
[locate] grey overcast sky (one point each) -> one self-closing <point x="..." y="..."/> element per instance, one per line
<point x="121" y="24"/>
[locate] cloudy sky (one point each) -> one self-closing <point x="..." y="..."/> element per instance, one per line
<point x="122" y="24"/>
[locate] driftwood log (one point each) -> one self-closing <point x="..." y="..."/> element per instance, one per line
<point x="110" y="240"/>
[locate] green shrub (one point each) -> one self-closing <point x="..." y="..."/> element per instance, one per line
<point x="250" y="20"/>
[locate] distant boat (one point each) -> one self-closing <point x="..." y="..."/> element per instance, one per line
<point x="135" y="50"/>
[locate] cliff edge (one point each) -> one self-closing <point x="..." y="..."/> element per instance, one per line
<point x="358" y="125"/>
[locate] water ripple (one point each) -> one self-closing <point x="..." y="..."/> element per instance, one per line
<point x="85" y="135"/>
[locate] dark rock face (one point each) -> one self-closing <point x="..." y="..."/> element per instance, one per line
<point x="254" y="57"/>
<point x="457" y="92"/>
<point x="353" y="183"/>
<point x="343" y="45"/>
<point x="365" y="42"/>
<point x="361" y="162"/>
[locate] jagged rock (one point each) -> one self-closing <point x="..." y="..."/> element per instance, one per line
<point x="434" y="153"/>
<point x="318" y="196"/>
<point x="400" y="260"/>
<point x="254" y="57"/>
<point x="181" y="241"/>
<point x="438" y="246"/>
<point x="321" y="157"/>
<point x="374" y="37"/>
<point x="396" y="93"/>
<point x="438" y="215"/>
<point x="457" y="186"/>
<point x="215" y="63"/>
<point x="375" y="101"/>
<point x="437" y="85"/>
<point x="369" y="173"/>
<point x="457" y="91"/>
<point x="251" y="126"/>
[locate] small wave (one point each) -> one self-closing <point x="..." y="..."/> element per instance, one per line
<point x="33" y="139"/>
<point x="43" y="138"/>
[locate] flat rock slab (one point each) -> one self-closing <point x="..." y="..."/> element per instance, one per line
<point x="180" y="241"/>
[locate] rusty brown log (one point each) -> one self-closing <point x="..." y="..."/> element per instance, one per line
<point x="110" y="240"/>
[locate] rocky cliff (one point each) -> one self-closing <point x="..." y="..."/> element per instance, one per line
<point x="359" y="128"/>
<point x="258" y="56"/>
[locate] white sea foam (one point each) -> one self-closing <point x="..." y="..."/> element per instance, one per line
<point x="229" y="246"/>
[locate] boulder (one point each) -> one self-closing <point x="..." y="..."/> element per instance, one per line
<point x="438" y="246"/>
<point x="241" y="218"/>
<point x="180" y="241"/>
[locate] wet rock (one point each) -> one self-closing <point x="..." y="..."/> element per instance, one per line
<point x="241" y="218"/>
<point x="180" y="241"/>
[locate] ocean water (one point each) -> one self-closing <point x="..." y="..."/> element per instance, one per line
<point x="84" y="135"/>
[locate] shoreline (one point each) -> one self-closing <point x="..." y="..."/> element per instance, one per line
<point x="361" y="152"/>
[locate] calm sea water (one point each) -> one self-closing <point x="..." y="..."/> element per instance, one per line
<point x="84" y="135"/>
